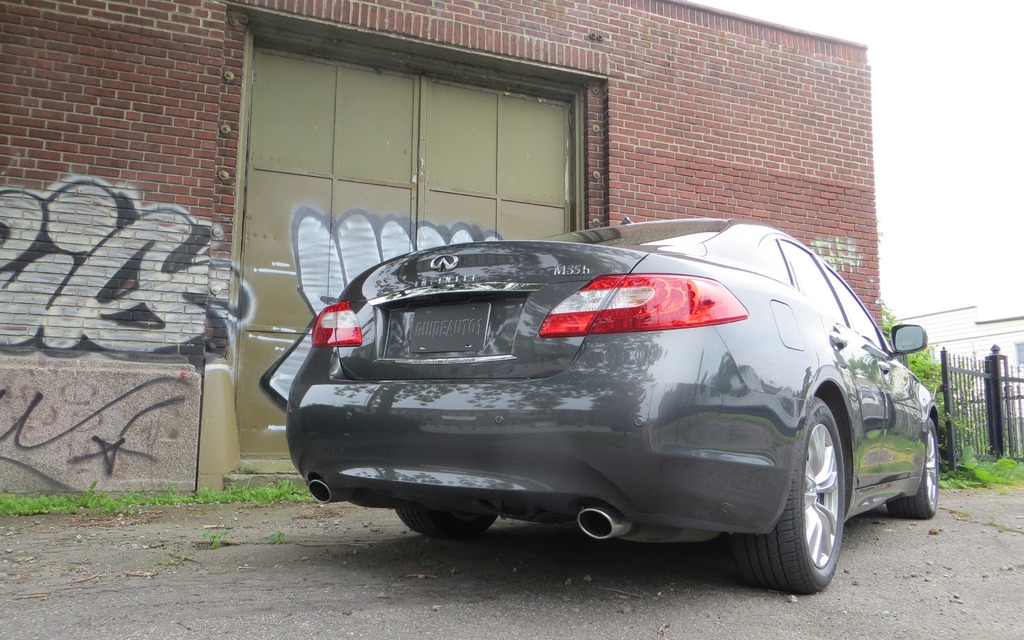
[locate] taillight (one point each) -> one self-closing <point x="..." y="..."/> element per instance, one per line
<point x="337" y="326"/>
<point x="619" y="304"/>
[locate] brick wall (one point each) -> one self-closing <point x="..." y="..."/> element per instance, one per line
<point x="110" y="147"/>
<point x="121" y="119"/>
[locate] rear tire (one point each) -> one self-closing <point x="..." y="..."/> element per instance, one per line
<point x="449" y="525"/>
<point x="925" y="503"/>
<point x="800" y="554"/>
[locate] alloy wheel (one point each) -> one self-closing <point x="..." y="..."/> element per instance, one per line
<point x="931" y="472"/>
<point x="821" y="496"/>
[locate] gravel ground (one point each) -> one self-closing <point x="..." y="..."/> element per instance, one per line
<point x="341" y="571"/>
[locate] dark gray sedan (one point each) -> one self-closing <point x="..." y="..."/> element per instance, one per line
<point x="665" y="381"/>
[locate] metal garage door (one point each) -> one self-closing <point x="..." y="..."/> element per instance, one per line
<point x="349" y="166"/>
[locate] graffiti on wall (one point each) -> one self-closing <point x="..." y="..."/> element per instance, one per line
<point x="86" y="265"/>
<point x="60" y="432"/>
<point x="355" y="241"/>
<point x="841" y="253"/>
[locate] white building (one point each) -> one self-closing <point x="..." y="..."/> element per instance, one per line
<point x="961" y="332"/>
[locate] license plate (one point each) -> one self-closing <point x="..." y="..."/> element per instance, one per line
<point x="459" y="327"/>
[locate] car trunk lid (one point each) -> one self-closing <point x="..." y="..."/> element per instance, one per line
<point x="472" y="310"/>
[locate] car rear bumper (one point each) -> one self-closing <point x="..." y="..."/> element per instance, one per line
<point x="674" y="454"/>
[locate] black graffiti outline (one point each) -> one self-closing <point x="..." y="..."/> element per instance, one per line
<point x="183" y="256"/>
<point x="56" y="484"/>
<point x="107" y="450"/>
<point x="43" y="244"/>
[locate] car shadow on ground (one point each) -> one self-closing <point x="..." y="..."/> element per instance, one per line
<point x="545" y="560"/>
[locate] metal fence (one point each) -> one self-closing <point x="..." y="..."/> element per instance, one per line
<point x="984" y="405"/>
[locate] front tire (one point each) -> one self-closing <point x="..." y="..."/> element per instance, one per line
<point x="449" y="525"/>
<point x="925" y="503"/>
<point x="800" y="554"/>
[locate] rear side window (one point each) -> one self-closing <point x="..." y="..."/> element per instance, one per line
<point x="857" y="318"/>
<point x="773" y="255"/>
<point x="811" y="280"/>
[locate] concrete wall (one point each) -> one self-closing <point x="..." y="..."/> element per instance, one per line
<point x="103" y="321"/>
<point x="66" y="423"/>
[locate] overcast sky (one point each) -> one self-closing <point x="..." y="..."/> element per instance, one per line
<point x="949" y="143"/>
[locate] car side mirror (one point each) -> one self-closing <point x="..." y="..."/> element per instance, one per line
<point x="908" y="338"/>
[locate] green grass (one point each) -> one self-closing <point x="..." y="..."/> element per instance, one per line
<point x="977" y="474"/>
<point x="216" y="538"/>
<point x="97" y="501"/>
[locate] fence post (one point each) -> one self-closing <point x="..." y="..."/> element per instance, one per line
<point x="947" y="405"/>
<point x="994" y="364"/>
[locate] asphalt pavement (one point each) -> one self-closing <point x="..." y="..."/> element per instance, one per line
<point x="340" y="571"/>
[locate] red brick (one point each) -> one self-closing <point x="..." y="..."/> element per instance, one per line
<point x="701" y="114"/>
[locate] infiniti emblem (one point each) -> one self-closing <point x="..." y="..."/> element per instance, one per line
<point x="444" y="263"/>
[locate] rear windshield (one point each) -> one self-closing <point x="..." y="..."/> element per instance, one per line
<point x="675" y="232"/>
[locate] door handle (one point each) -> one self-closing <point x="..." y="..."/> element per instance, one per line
<point x="838" y="341"/>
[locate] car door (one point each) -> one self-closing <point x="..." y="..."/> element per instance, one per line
<point x="860" y="356"/>
<point x="893" y="452"/>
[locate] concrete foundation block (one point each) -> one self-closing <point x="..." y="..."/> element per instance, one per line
<point x="69" y="422"/>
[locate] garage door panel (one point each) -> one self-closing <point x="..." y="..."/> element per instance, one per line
<point x="461" y="139"/>
<point x="532" y="160"/>
<point x="317" y="262"/>
<point x="348" y="167"/>
<point x="372" y="224"/>
<point x="261" y="420"/>
<point x="293" y="114"/>
<point x="452" y="212"/>
<point x="375" y="124"/>
<point x="277" y="203"/>
<point x="530" y="221"/>
<point x="374" y="199"/>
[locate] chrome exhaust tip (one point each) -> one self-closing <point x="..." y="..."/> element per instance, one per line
<point x="601" y="524"/>
<point x="319" y="490"/>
